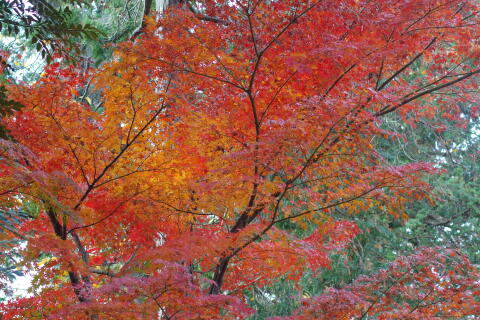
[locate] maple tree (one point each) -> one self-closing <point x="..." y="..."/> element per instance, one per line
<point x="215" y="130"/>
<point x="425" y="285"/>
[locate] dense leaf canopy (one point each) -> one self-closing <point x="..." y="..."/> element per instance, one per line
<point x="227" y="147"/>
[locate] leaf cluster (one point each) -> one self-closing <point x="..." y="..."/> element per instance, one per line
<point x="46" y="26"/>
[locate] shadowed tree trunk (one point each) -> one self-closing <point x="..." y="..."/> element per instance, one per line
<point x="160" y="6"/>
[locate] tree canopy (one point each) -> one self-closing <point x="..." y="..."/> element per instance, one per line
<point x="232" y="146"/>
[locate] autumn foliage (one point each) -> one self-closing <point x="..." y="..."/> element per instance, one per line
<point x="167" y="176"/>
<point x="426" y="285"/>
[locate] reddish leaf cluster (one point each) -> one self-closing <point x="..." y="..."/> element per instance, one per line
<point x="165" y="177"/>
<point x="430" y="284"/>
